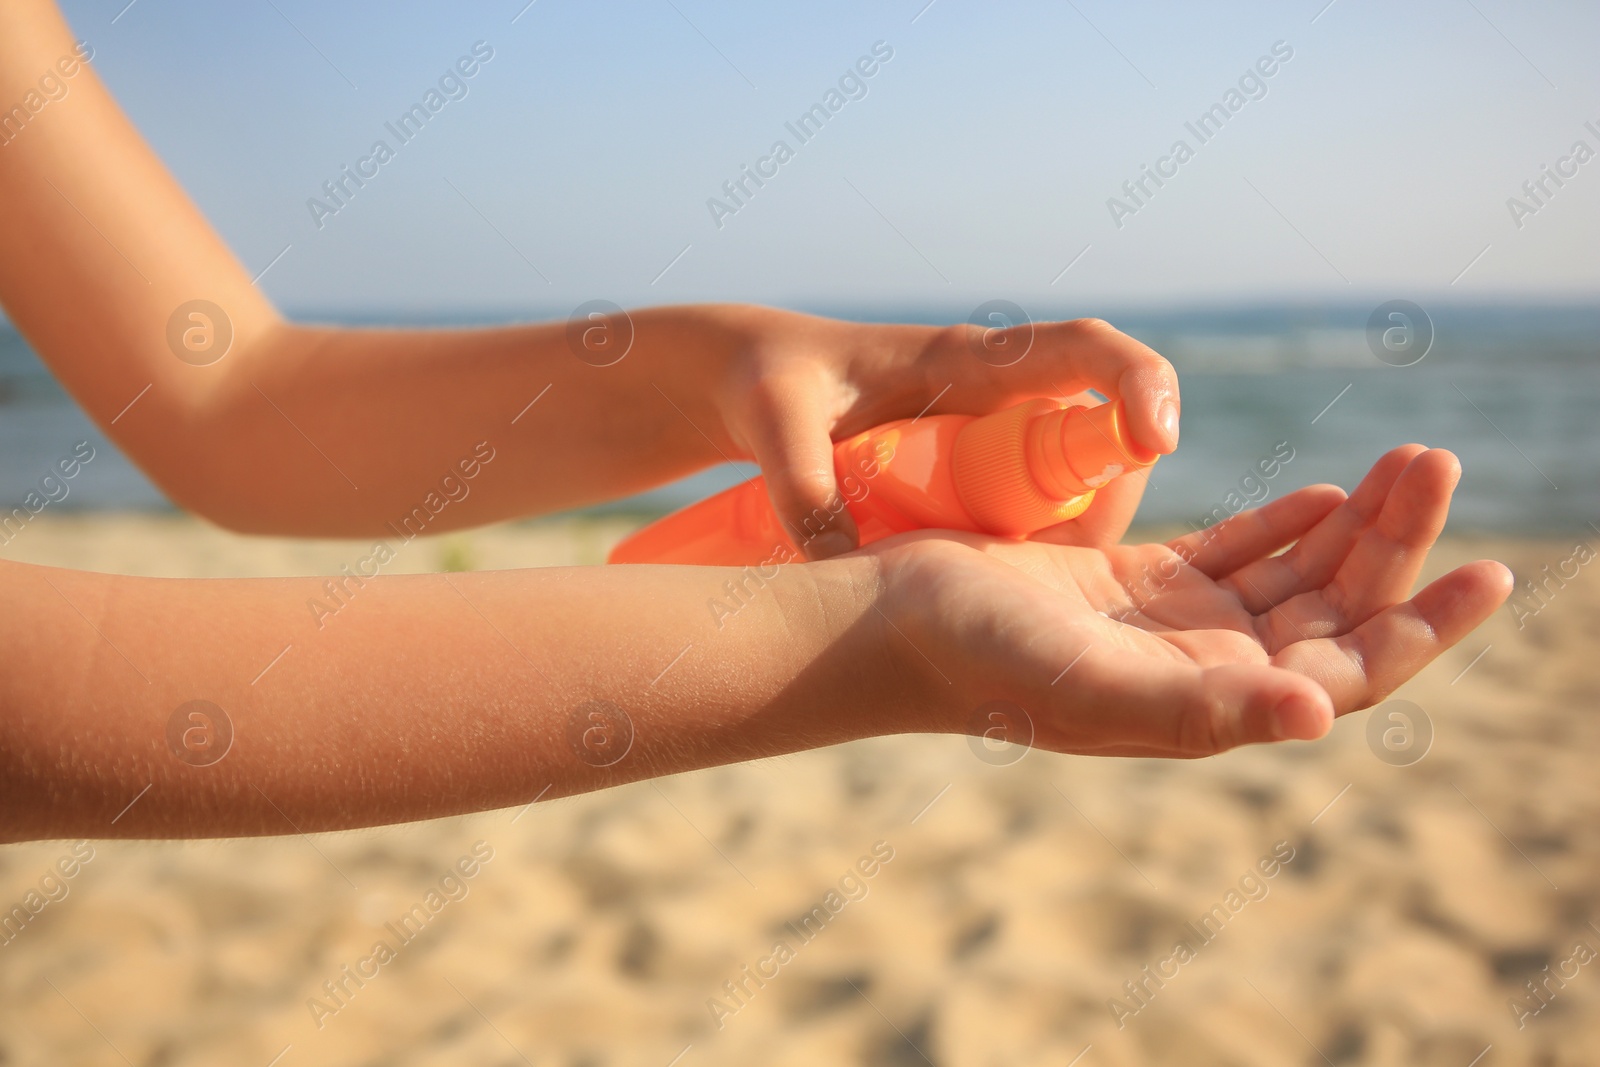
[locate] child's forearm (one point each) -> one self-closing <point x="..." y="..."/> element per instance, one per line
<point x="344" y="432"/>
<point x="327" y="431"/>
<point x="421" y="696"/>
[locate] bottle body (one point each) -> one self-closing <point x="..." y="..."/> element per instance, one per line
<point x="1008" y="474"/>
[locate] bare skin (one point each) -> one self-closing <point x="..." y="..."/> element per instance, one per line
<point x="313" y="430"/>
<point x="435" y="695"/>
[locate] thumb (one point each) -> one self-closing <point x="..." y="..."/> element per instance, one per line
<point x="789" y="438"/>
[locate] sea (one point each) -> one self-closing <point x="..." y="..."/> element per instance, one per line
<point x="1514" y="390"/>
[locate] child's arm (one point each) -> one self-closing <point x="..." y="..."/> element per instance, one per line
<point x="439" y="694"/>
<point x="327" y="431"/>
<point x="423" y="696"/>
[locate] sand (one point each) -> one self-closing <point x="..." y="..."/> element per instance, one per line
<point x="1020" y="897"/>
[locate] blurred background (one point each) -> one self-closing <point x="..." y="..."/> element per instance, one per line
<point x="1389" y="237"/>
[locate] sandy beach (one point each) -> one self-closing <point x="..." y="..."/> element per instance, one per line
<point x="1022" y="907"/>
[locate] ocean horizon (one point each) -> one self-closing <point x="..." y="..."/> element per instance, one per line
<point x="1512" y="388"/>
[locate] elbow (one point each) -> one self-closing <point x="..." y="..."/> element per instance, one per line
<point x="195" y="460"/>
<point x="207" y="488"/>
<point x="219" y="454"/>
<point x="244" y="484"/>
<point x="221" y="505"/>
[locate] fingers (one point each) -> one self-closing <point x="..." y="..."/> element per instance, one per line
<point x="789" y="436"/>
<point x="1179" y="709"/>
<point x="1066" y="357"/>
<point x="1248" y="536"/>
<point x="1388" y="557"/>
<point x="1384" y="563"/>
<point x="1095" y="354"/>
<point x="1316" y="557"/>
<point x="1363" y="667"/>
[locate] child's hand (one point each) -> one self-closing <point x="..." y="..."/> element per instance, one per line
<point x="1131" y="651"/>
<point x="789" y="385"/>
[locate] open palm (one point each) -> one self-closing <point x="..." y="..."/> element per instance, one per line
<point x="1200" y="644"/>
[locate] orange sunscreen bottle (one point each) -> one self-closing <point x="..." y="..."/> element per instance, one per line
<point x="1008" y="474"/>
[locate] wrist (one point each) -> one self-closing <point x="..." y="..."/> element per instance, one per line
<point x="692" y="354"/>
<point x="883" y="680"/>
<point x="858" y="674"/>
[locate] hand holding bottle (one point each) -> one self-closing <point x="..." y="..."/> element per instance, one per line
<point x="1012" y="473"/>
<point x="785" y="387"/>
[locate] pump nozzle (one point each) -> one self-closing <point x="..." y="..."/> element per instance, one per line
<point x="1039" y="463"/>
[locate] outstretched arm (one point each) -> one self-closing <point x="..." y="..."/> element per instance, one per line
<point x="439" y="694"/>
<point x="423" y="696"/>
<point x="313" y="430"/>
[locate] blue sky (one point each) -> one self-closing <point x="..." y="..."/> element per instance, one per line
<point x="978" y="164"/>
